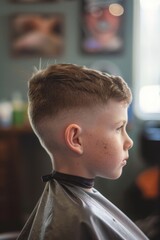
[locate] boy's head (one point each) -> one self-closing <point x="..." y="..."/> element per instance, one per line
<point x="67" y="96"/>
<point x="67" y="86"/>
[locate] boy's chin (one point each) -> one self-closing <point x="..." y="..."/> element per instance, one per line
<point x="114" y="176"/>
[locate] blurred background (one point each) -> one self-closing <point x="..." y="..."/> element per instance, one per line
<point x="116" y="36"/>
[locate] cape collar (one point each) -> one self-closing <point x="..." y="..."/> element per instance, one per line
<point x="70" y="179"/>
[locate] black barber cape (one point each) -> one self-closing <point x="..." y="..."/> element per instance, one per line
<point x="68" y="212"/>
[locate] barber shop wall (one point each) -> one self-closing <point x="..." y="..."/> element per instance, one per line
<point x="14" y="71"/>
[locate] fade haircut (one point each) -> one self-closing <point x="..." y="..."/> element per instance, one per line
<point x="66" y="86"/>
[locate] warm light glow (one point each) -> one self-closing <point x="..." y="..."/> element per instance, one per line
<point x="150" y="99"/>
<point x="149" y="4"/>
<point x="146" y="59"/>
<point x="116" y="9"/>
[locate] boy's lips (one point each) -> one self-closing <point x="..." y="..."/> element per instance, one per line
<point x="124" y="162"/>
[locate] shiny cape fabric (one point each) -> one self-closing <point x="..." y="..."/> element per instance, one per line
<point x="67" y="212"/>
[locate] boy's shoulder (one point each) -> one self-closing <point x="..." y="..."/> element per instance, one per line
<point x="69" y="212"/>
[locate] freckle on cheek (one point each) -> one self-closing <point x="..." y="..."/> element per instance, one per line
<point x="105" y="146"/>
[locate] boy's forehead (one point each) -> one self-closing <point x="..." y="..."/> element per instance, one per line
<point x="117" y="111"/>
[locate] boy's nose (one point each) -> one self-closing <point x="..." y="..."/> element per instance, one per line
<point x="128" y="143"/>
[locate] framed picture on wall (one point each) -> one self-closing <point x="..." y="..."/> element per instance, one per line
<point x="102" y="26"/>
<point x="37" y="35"/>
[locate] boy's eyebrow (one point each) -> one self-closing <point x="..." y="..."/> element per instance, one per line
<point x="121" y="121"/>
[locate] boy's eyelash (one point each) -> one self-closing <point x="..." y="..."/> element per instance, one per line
<point x="120" y="127"/>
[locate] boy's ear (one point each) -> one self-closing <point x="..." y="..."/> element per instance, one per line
<point x="73" y="138"/>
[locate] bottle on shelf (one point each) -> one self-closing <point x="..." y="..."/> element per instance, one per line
<point x="18" y="109"/>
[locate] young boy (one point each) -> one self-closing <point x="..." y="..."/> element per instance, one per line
<point x="80" y="118"/>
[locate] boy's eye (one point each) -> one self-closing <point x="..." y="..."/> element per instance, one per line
<point x="120" y="128"/>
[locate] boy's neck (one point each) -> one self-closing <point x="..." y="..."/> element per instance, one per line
<point x="85" y="183"/>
